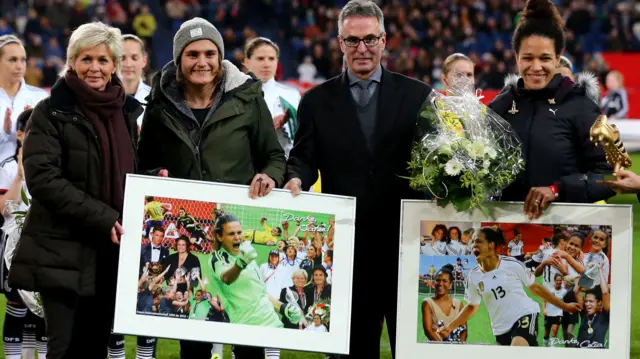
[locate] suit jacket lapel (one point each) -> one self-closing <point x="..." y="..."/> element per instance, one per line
<point x="389" y="101"/>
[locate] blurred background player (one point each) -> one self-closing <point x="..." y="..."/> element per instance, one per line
<point x="453" y="64"/>
<point x="134" y="60"/>
<point x="15" y="95"/>
<point x="261" y="59"/>
<point x="565" y="68"/>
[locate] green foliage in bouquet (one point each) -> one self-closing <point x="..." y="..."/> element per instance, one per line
<point x="467" y="153"/>
<point x="20" y="216"/>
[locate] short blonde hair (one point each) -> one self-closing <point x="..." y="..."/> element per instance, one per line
<point x="9" y="39"/>
<point x="91" y="35"/>
<point x="300" y="272"/>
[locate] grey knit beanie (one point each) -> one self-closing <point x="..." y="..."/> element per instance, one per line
<point x="194" y="30"/>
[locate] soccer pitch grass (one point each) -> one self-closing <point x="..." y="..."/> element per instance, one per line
<point x="170" y="349"/>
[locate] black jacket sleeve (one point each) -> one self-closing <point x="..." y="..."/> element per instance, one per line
<point x="302" y="163"/>
<point x="582" y="187"/>
<point x="42" y="161"/>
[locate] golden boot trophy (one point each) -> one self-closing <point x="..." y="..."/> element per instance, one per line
<point x="604" y="134"/>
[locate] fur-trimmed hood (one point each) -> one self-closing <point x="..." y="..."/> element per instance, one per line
<point x="586" y="81"/>
<point x="233" y="80"/>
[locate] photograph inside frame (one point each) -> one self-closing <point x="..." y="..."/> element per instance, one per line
<point x="460" y="303"/>
<point x="237" y="264"/>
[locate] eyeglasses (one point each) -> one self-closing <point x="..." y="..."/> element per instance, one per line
<point x="369" y="41"/>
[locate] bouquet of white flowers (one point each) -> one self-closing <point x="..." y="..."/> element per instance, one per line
<point x="19" y="210"/>
<point x="467" y="153"/>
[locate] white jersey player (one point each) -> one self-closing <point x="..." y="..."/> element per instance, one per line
<point x="500" y="282"/>
<point x="261" y="59"/>
<point x="599" y="241"/>
<point x="556" y="261"/>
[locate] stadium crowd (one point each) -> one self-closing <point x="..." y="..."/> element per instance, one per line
<point x="420" y="33"/>
<point x="420" y="36"/>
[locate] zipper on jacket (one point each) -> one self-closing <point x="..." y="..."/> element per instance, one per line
<point x="196" y="146"/>
<point x="531" y="119"/>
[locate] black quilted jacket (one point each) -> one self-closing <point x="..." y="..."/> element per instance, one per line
<point x="67" y="231"/>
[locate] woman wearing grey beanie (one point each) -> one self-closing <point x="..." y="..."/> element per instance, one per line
<point x="206" y="120"/>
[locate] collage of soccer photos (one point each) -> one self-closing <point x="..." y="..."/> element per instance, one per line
<point x="237" y="264"/>
<point x="514" y="284"/>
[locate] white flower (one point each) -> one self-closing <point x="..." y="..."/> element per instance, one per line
<point x="491" y="152"/>
<point x="483" y="173"/>
<point x="476" y="149"/>
<point x="486" y="164"/>
<point x="446" y="150"/>
<point x="453" y="167"/>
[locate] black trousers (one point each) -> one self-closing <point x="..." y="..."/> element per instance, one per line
<point x="77" y="327"/>
<point x="195" y="350"/>
<point x="368" y="315"/>
<point x="80" y="327"/>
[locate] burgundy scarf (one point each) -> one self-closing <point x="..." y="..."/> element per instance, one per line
<point x="104" y="110"/>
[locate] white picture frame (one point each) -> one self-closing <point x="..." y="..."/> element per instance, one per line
<point x="129" y="322"/>
<point x="409" y="324"/>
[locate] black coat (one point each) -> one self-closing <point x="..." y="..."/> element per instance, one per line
<point x="553" y="125"/>
<point x="66" y="226"/>
<point x="331" y="140"/>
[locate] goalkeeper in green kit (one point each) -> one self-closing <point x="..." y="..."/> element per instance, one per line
<point x="239" y="283"/>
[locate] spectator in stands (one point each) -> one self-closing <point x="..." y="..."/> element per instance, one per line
<point x="615" y="104"/>
<point x="559" y="154"/>
<point x="375" y="111"/>
<point x="261" y="59"/>
<point x="15" y="94"/>
<point x="307" y="70"/>
<point x="134" y="60"/>
<point x="456" y="64"/>
<point x="144" y="25"/>
<point x="33" y="75"/>
<point x="69" y="193"/>
<point x="222" y="130"/>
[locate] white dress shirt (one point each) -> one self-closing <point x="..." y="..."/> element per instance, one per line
<point x="273" y="90"/>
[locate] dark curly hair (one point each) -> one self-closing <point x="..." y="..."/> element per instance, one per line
<point x="446" y="269"/>
<point x="540" y="17"/>
<point x="494" y="235"/>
